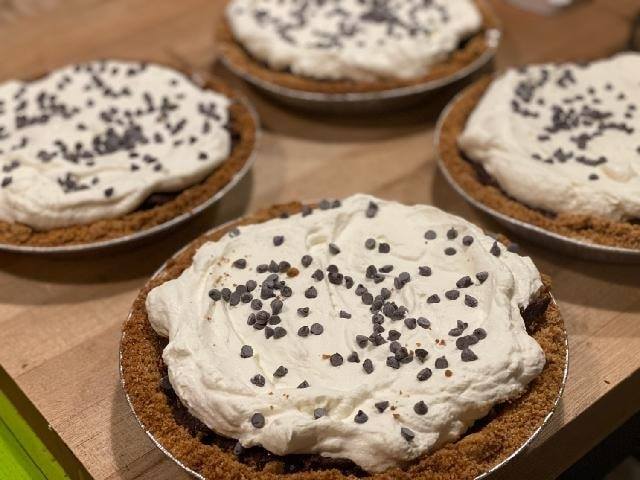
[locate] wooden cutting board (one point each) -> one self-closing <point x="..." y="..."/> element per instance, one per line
<point x="60" y="318"/>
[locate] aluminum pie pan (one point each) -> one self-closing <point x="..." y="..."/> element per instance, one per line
<point x="149" y="233"/>
<point x="362" y="102"/>
<point x="570" y="246"/>
<point x="526" y="445"/>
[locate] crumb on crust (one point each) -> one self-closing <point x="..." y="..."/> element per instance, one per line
<point x="476" y="183"/>
<point x="242" y="126"/>
<point x="235" y="54"/>
<point x="488" y="442"/>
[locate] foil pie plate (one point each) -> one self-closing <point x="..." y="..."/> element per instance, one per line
<point x="145" y="235"/>
<point x="570" y="246"/>
<point x="364" y="102"/>
<point x="520" y="450"/>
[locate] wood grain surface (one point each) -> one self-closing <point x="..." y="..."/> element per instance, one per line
<point x="60" y="318"/>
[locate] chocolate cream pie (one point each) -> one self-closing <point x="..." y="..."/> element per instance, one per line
<point x="104" y="149"/>
<point x="355" y="338"/>
<point x="556" y="146"/>
<point x="352" y="45"/>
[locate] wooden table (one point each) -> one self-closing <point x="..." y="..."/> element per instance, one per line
<point x="60" y="318"/>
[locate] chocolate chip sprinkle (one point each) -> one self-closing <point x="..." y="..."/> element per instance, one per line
<point x="336" y="360"/>
<point x="467" y="355"/>
<point x="467" y="240"/>
<point x="257" y="420"/>
<point x="367" y="366"/>
<point x="450" y="251"/>
<point x="372" y="210"/>
<point x="280" y="372"/>
<point x="303" y="331"/>
<point x="258" y="380"/>
<point x="433" y="298"/>
<point x="464" y="282"/>
<point x="384" y="248"/>
<point x="304" y="384"/>
<point x="421" y="354"/>
<point x="482" y="276"/>
<point x="407" y="434"/>
<point x="370" y="244"/>
<point x="353" y="357"/>
<point x="246" y="351"/>
<point x="316" y="329"/>
<point x="424" y="271"/>
<point x="362" y="341"/>
<point x="240" y="263"/>
<point x="420" y="408"/>
<point x="495" y="250"/>
<point x="424" y="323"/>
<point x="430" y="235"/>
<point x="344" y="314"/>
<point x="470" y="301"/>
<point x="424" y="374"/>
<point x="334" y="249"/>
<point x="382" y="406"/>
<point x="215" y="294"/>
<point x="441" y="363"/>
<point x="306" y="260"/>
<point x="452" y="233"/>
<point x="303" y="312"/>
<point x="361" y="417"/>
<point x="311" y="292"/>
<point x="410" y="323"/>
<point x="452" y="294"/>
<point x="319" y="413"/>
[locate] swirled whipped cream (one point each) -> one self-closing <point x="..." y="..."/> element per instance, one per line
<point x="369" y="330"/>
<point x="93" y="141"/>
<point x="563" y="138"/>
<point x="353" y="39"/>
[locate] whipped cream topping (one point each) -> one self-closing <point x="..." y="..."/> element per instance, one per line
<point x="353" y="39"/>
<point x="370" y="330"/>
<point x="93" y="141"/>
<point x="563" y="138"/>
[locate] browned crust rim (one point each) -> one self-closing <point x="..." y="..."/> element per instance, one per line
<point x="496" y="438"/>
<point x="240" y="59"/>
<point x="580" y="227"/>
<point x="244" y="130"/>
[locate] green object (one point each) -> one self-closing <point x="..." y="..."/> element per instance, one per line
<point x="22" y="453"/>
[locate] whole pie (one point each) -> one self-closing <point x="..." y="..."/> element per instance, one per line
<point x="105" y="149"/>
<point x="555" y="146"/>
<point x="353" y="46"/>
<point x="361" y="337"/>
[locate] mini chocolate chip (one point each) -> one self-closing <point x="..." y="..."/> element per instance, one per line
<point x="324" y="204"/>
<point x="382" y="406"/>
<point x="420" y="408"/>
<point x="360" y="290"/>
<point x="258" y="380"/>
<point x="240" y="263"/>
<point x="480" y="333"/>
<point x="303" y="312"/>
<point x="384" y="248"/>
<point x="344" y="314"/>
<point x="482" y="276"/>
<point x="280" y="371"/>
<point x="262" y="268"/>
<point x="251" y="285"/>
<point x="367" y="365"/>
<point x="353" y="357"/>
<point x="495" y="249"/>
<point x="360" y="417"/>
<point x="226" y="294"/>
<point x="348" y="281"/>
<point x="424" y="271"/>
<point x="362" y="341"/>
<point x="370" y="244"/>
<point x="407" y="434"/>
<point x="274" y="320"/>
<point x="441" y="362"/>
<point x="311" y="292"/>
<point x="393" y="362"/>
<point x="464" y="282"/>
<point x="268" y="332"/>
<point x="367" y="298"/>
<point x="257" y="420"/>
<point x="386" y="269"/>
<point x="278" y="240"/>
<point x="421" y="354"/>
<point x="336" y="360"/>
<point x="215" y="295"/>
<point x="319" y="413"/>
<point x="304" y="384"/>
<point x="276" y="306"/>
<point x="256" y="304"/>
<point x="303" y="331"/>
<point x="306" y="260"/>
<point x="513" y="247"/>
<point x="279" y="332"/>
<point x="334" y="249"/>
<point x="430" y="235"/>
<point x="470" y="301"/>
<point x="251" y="320"/>
<point x="452" y="233"/>
<point x="234" y="299"/>
<point x="433" y="299"/>
<point x="410" y="323"/>
<point x="452" y="294"/>
<point x="377" y="339"/>
<point x="424" y="374"/>
<point x="262" y="317"/>
<point x="393" y="335"/>
<point x="316" y="329"/>
<point x="467" y="240"/>
<point x="467" y="355"/>
<point x="238" y="449"/>
<point x="286" y="291"/>
<point x="449" y="251"/>
<point x="246" y="297"/>
<point x="424" y="323"/>
<point x="372" y="210"/>
<point x="107" y="193"/>
<point x="246" y="351"/>
<point x="318" y="275"/>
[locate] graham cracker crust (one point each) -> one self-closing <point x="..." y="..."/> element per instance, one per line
<point x="243" y="132"/>
<point x="489" y="442"/>
<point x="237" y="56"/>
<point x="482" y="187"/>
